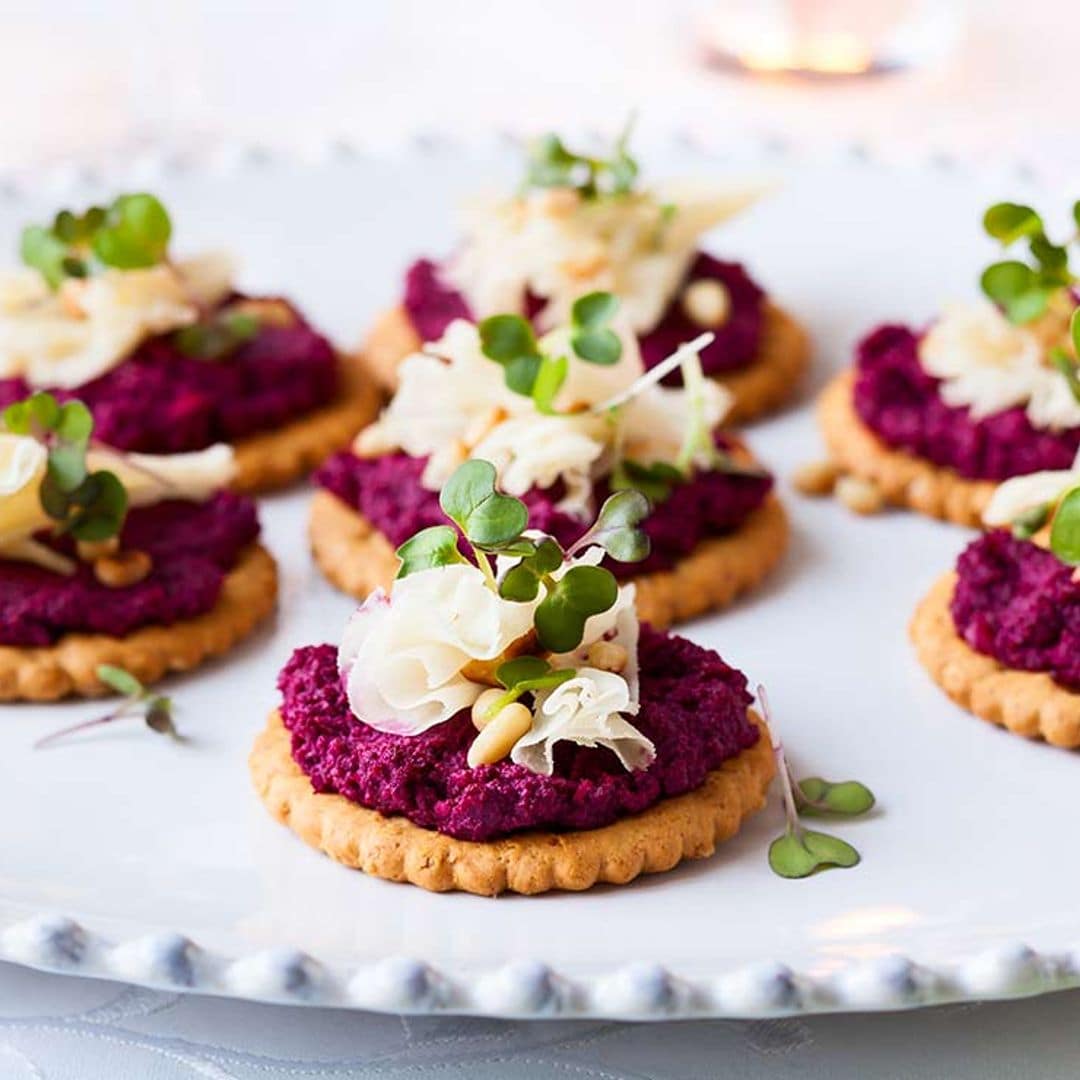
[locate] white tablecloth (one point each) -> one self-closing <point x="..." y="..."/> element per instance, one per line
<point x="57" y="1028"/>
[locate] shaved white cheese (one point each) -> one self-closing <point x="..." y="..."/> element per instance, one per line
<point x="989" y="365"/>
<point x="90" y="325"/>
<point x="556" y="246"/>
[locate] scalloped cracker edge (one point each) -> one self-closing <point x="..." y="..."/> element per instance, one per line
<point x="903" y="479"/>
<point x="766" y="383"/>
<point x="1027" y="703"/>
<point x="358" y="558"/>
<point x="248" y="596"/>
<point x="683" y="827"/>
<point x="269" y="460"/>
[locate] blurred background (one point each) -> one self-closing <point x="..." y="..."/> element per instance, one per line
<point x="84" y="79"/>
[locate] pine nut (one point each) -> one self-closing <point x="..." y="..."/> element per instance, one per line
<point x="559" y="202"/>
<point x="861" y="496"/>
<point x="89" y="550"/>
<point x="482" y="705"/>
<point x="817" y="478"/>
<point x="265" y="312"/>
<point x="123" y="569"/>
<point x="373" y="442"/>
<point x="498" y="737"/>
<point x="707" y="303"/>
<point x="607" y="656"/>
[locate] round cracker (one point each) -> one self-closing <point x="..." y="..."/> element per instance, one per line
<point x="69" y="667"/>
<point x="1028" y="703"/>
<point x="273" y="459"/>
<point x="683" y="827"/>
<point x="761" y="387"/>
<point x="903" y="478"/>
<point x="358" y="558"/>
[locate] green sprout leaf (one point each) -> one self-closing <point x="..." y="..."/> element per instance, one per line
<point x="551" y="164"/>
<point x="42" y="251"/>
<point x="88" y="506"/>
<point x="1008" y="222"/>
<point x="581" y="592"/>
<point x="155" y="709"/>
<point x="1065" y="531"/>
<point x="550" y="377"/>
<point x="594" y="310"/>
<point x="123" y="682"/>
<point x="654" y="481"/>
<point x="526" y="674"/>
<point x="434" y="546"/>
<point x="132" y="233"/>
<point x="848" y="798"/>
<point x="509" y="340"/>
<point x="521" y="583"/>
<point x="591" y="338"/>
<point x="615" y="528"/>
<point x="101" y="503"/>
<point x="135" y="233"/>
<point x="218" y="337"/>
<point x="1024" y="290"/>
<point x="486" y="517"/>
<point x="800" y="853"/>
<point x="1031" y="521"/>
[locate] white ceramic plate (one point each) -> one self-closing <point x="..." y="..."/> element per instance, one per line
<point x="126" y="855"/>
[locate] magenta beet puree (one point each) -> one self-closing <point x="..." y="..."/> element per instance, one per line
<point x="193" y="546"/>
<point x="432" y="305"/>
<point x="900" y="402"/>
<point x="160" y="401"/>
<point x="1018" y="603"/>
<point x="388" y="492"/>
<point x="693" y="707"/>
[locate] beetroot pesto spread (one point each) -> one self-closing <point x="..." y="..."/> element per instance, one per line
<point x="160" y="401"/>
<point x="900" y="402"/>
<point x="1018" y="603"/>
<point x="693" y="708"/>
<point x="432" y="305"/>
<point x="387" y="491"/>
<point x="193" y="546"/>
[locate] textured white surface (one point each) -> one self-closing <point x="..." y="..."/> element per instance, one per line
<point x="153" y="862"/>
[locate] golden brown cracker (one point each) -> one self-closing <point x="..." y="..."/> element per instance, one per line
<point x="273" y="459"/>
<point x="358" y="558"/>
<point x="683" y="827"/>
<point x="904" y="480"/>
<point x="1028" y="703"/>
<point x="761" y="387"/>
<point x="69" y="667"/>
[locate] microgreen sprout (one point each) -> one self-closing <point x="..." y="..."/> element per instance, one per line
<point x="523" y="675"/>
<point x="85" y="505"/>
<point x="1065" y="530"/>
<point x="1024" y="290"/>
<point x="1067" y="364"/>
<point x="493" y="524"/>
<point x="552" y="165"/>
<point x="510" y="341"/>
<point x="131" y="233"/>
<point x="218" y="337"/>
<point x="800" y="852"/>
<point x="155" y="709"/>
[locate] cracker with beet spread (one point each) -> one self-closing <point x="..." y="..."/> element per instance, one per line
<point x="166" y="354"/>
<point x="143" y="562"/>
<point x="583" y="224"/>
<point x="935" y="419"/>
<point x="567" y="418"/>
<point x="1001" y="633"/>
<point x="499" y="719"/>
